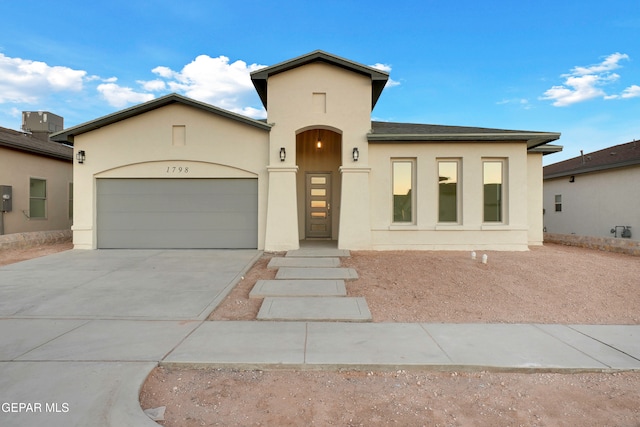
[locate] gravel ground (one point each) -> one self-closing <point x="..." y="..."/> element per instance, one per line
<point x="551" y="284"/>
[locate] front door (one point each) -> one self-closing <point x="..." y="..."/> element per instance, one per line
<point x="318" y="205"/>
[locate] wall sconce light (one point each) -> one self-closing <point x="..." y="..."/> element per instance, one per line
<point x="572" y="179"/>
<point x="356" y="154"/>
<point x="283" y="154"/>
<point x="80" y="156"/>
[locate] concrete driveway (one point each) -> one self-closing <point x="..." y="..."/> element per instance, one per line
<point x="81" y="330"/>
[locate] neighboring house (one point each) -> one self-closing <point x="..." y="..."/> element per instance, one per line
<point x="36" y="179"/>
<point x="595" y="194"/>
<point x="178" y="173"/>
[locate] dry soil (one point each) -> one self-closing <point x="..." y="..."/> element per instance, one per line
<point x="550" y="284"/>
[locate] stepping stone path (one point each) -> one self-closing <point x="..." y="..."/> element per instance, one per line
<point x="309" y="285"/>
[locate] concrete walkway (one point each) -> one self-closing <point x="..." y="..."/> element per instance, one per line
<point x="81" y="330"/>
<point x="439" y="346"/>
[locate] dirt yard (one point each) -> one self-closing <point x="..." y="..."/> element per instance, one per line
<point x="552" y="284"/>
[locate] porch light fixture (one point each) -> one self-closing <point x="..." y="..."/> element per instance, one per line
<point x="283" y="154"/>
<point x="318" y="141"/>
<point x="80" y="156"/>
<point x="356" y="154"/>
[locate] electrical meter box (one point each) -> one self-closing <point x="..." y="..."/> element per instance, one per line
<point x="6" y="197"/>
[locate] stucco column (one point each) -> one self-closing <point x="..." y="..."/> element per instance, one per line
<point x="282" y="210"/>
<point x="355" y="218"/>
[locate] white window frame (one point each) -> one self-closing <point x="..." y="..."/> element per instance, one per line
<point x="412" y="162"/>
<point x="557" y="203"/>
<point x="458" y="162"/>
<point x="504" y="202"/>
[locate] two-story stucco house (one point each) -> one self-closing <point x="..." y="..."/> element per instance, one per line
<point x="178" y="173"/>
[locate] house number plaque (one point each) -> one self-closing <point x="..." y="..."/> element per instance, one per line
<point x="177" y="169"/>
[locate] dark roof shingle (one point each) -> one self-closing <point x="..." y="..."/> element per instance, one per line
<point x="25" y="142"/>
<point x="617" y="156"/>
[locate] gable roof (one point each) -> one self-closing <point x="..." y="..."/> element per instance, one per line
<point x="27" y="143"/>
<point x="617" y="156"/>
<point x="67" y="135"/>
<point x="378" y="78"/>
<point x="408" y="132"/>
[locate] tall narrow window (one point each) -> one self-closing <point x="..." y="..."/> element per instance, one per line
<point x="448" y="191"/>
<point x="493" y="191"/>
<point x="558" y="203"/>
<point x="403" y="182"/>
<point x="37" y="198"/>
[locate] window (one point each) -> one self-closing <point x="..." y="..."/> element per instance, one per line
<point x="558" y="203"/>
<point x="448" y="190"/>
<point x="493" y="179"/>
<point x="403" y="183"/>
<point x="37" y="198"/>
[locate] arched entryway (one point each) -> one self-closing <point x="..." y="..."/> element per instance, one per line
<point x="318" y="154"/>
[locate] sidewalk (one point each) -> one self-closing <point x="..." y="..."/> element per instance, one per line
<point x="84" y="339"/>
<point x="383" y="346"/>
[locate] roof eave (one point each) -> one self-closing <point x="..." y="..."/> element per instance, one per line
<point x="67" y="135"/>
<point x="546" y="149"/>
<point x="532" y="139"/>
<point x="378" y="78"/>
<point x="599" y="168"/>
<point x="37" y="151"/>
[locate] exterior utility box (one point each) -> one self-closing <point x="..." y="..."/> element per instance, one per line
<point x="5" y="198"/>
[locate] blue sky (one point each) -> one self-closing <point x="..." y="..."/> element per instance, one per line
<point x="557" y="66"/>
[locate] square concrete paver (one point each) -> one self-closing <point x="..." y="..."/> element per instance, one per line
<point x="235" y="342"/>
<point x="316" y="273"/>
<point x="623" y="338"/>
<point x="292" y="288"/>
<point x="507" y="346"/>
<point x="370" y="344"/>
<point x="18" y="336"/>
<point x="315" y="308"/>
<point x="120" y="340"/>
<point x="278" y="262"/>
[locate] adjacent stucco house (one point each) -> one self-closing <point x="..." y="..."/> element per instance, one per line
<point x="36" y="182"/>
<point x="178" y="173"/>
<point x="595" y="193"/>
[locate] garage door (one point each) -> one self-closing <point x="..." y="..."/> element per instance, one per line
<point x="177" y="213"/>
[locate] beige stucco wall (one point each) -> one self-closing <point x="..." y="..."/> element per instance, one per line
<point x="17" y="169"/>
<point x="534" y="203"/>
<point x="471" y="232"/>
<point x="314" y="96"/>
<point x="594" y="203"/>
<point x="142" y="146"/>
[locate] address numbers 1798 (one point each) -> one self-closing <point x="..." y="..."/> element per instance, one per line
<point x="177" y="169"/>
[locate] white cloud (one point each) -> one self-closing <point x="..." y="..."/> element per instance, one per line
<point x="153" y="85"/>
<point x="119" y="96"/>
<point x="27" y="81"/>
<point x="523" y="102"/>
<point x="585" y="83"/>
<point x="387" y="69"/>
<point x="631" y="92"/>
<point x="216" y="81"/>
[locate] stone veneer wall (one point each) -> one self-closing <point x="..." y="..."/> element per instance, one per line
<point x="36" y="238"/>
<point x="610" y="244"/>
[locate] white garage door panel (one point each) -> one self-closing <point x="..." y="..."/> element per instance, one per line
<point x="177" y="213"/>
